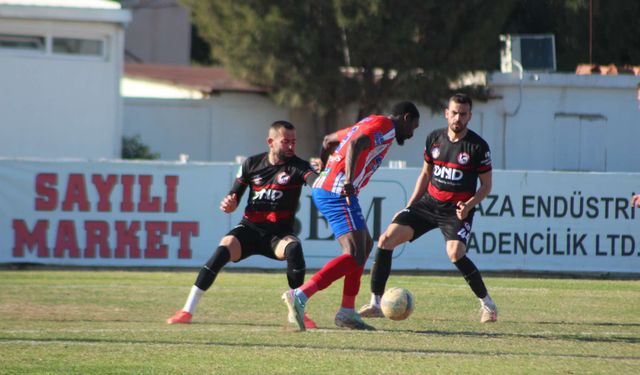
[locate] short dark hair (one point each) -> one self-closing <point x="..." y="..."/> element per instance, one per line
<point x="277" y="125"/>
<point x="461" y="98"/>
<point x="400" y="108"/>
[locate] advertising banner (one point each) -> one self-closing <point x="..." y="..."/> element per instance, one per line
<point x="166" y="214"/>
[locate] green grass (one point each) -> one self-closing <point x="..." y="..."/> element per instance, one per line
<point x="107" y="322"/>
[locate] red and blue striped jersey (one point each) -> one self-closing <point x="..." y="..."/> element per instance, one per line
<point x="381" y="131"/>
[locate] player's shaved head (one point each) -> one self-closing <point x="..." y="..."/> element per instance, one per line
<point x="281" y="124"/>
<point x="461" y="99"/>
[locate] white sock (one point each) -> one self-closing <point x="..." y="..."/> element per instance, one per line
<point x="193" y="299"/>
<point x="487" y="301"/>
<point x="375" y="300"/>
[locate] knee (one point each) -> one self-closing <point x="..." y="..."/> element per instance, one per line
<point x="384" y="241"/>
<point x="293" y="254"/>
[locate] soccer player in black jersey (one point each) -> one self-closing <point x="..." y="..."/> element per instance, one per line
<point x="275" y="180"/>
<point x="444" y="197"/>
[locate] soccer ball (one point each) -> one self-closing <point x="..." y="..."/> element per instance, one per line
<point x="397" y="303"/>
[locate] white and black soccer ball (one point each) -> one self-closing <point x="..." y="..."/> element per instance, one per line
<point x="397" y="303"/>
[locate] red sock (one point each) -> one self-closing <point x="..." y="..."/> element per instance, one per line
<point x="332" y="271"/>
<point x="351" y="288"/>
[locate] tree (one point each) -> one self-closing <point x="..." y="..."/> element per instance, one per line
<point x="324" y="55"/>
<point x="614" y="29"/>
<point x="133" y="148"/>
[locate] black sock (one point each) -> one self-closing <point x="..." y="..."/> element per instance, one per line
<point x="296" y="266"/>
<point x="472" y="276"/>
<point x="210" y="270"/>
<point x="380" y="271"/>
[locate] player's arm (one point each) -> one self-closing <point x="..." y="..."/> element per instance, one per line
<point x="329" y="144"/>
<point x="230" y="202"/>
<point x="481" y="193"/>
<point x="421" y="183"/>
<point x="355" y="147"/>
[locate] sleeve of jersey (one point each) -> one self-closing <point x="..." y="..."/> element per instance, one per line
<point x="240" y="184"/>
<point x="485" y="159"/>
<point x="308" y="173"/>
<point x="427" y="151"/>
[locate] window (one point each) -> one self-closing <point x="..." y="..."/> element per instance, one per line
<point x="22" y="42"/>
<point x="74" y="46"/>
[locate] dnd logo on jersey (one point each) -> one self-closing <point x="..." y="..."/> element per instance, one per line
<point x="463" y="158"/>
<point x="435" y="152"/>
<point x="283" y="178"/>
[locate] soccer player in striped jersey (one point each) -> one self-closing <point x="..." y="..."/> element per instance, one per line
<point x="350" y="157"/>
<point x="445" y="196"/>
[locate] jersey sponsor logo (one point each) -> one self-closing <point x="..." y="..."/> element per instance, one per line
<point x="257" y="180"/>
<point x="283" y="178"/>
<point x="435" y="152"/>
<point x="447" y="173"/>
<point x="267" y="194"/>
<point x="463" y="158"/>
<point x="335" y="158"/>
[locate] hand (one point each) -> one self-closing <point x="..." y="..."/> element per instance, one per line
<point x="316" y="164"/>
<point x="229" y="203"/>
<point x="635" y="200"/>
<point x="462" y="210"/>
<point x="348" y="190"/>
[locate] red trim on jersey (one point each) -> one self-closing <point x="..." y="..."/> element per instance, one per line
<point x="449" y="196"/>
<point x="483" y="169"/>
<point x="271" y="216"/>
<point x="241" y="182"/>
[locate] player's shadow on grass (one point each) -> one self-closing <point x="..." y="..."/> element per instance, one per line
<point x="307" y="346"/>
<point x="560" y="337"/>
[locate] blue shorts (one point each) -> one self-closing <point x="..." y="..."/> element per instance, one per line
<point x="342" y="217"/>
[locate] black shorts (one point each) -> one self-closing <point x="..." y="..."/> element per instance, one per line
<point x="429" y="213"/>
<point x="255" y="240"/>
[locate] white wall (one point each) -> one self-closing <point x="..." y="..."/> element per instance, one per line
<point x="215" y="129"/>
<point x="61" y="106"/>
<point x="563" y="122"/>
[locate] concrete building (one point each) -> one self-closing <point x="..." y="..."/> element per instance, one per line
<point x="61" y="67"/>
<point x="542" y="121"/>
<point x="159" y="32"/>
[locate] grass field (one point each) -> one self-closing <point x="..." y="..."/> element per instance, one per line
<point x="108" y="322"/>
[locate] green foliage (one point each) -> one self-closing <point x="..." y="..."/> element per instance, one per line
<point x="113" y="322"/>
<point x="325" y="55"/>
<point x="133" y="148"/>
<point x="615" y="30"/>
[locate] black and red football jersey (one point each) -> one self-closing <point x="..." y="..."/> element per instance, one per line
<point x="456" y="165"/>
<point x="274" y="191"/>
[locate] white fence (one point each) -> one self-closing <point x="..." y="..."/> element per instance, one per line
<point x="166" y="214"/>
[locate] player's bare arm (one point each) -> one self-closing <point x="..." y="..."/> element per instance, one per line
<point x="421" y="183"/>
<point x="354" y="149"/>
<point x="635" y="200"/>
<point x="485" y="188"/>
<point x="329" y="144"/>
